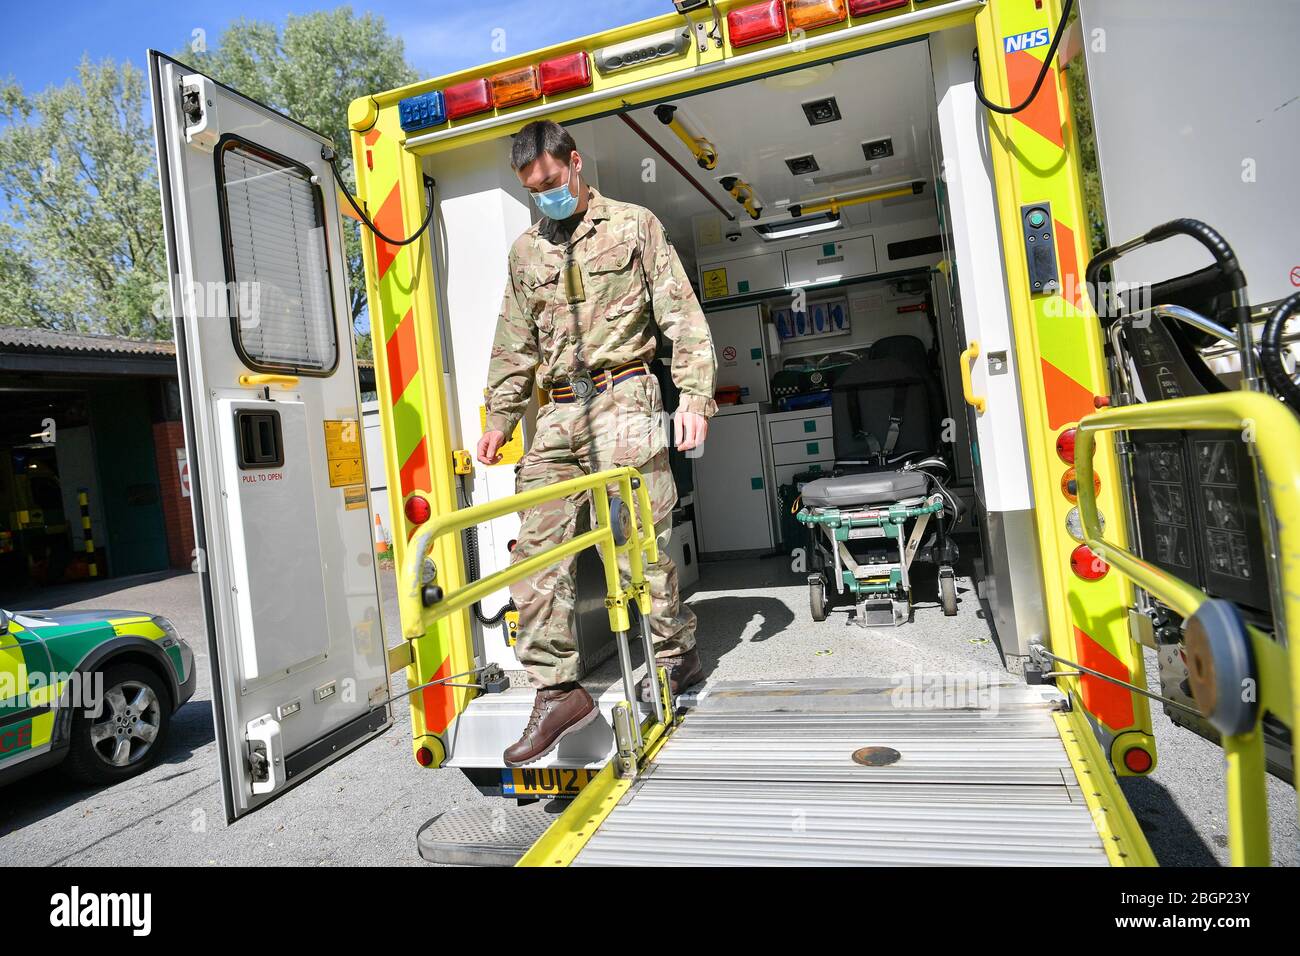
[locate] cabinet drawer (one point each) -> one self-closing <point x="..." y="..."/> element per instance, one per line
<point x="785" y="473"/>
<point x="801" y="429"/>
<point x="790" y="452"/>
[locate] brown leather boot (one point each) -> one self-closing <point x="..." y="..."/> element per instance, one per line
<point x="683" y="671"/>
<point x="557" y="712"/>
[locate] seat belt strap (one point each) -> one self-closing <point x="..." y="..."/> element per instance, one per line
<point x="895" y="419"/>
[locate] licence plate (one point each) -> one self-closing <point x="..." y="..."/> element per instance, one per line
<point x="545" y="781"/>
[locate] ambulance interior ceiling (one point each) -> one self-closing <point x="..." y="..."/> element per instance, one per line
<point x="756" y="127"/>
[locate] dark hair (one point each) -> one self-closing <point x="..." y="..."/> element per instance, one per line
<point x="541" y="136"/>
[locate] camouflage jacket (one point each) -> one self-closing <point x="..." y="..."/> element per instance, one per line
<point x="588" y="303"/>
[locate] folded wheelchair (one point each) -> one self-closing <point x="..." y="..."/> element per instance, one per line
<point x="885" y="506"/>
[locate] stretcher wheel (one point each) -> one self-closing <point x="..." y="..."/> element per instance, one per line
<point x="948" y="591"/>
<point x="817" y="597"/>
<point x="620" y="521"/>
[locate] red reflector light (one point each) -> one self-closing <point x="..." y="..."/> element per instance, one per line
<point x="570" y="72"/>
<point x="860" y="8"/>
<point x="754" y="24"/>
<point x="516" y="86"/>
<point x="1085" y="563"/>
<point x="417" y="509"/>
<point x="510" y="545"/>
<point x="1137" y="760"/>
<point x="810" y="14"/>
<point x="1065" y="445"/>
<point x="424" y="756"/>
<point x="466" y="99"/>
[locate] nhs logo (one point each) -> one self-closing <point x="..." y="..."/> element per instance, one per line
<point x="1025" y="41"/>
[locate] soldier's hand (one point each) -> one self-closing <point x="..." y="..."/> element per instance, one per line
<point x="690" y="429"/>
<point x="489" y="447"/>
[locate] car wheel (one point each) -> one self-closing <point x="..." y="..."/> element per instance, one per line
<point x="128" y="733"/>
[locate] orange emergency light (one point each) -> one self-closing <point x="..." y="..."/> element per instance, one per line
<point x="516" y="86"/>
<point x="810" y="14"/>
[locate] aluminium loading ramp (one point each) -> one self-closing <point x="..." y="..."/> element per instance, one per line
<point x="926" y="769"/>
<point x="853" y="771"/>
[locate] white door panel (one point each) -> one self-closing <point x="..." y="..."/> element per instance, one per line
<point x="273" y="423"/>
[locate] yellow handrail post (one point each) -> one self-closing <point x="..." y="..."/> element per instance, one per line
<point x="1247" y="799"/>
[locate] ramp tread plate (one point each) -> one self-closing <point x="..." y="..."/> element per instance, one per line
<point x="494" y="835"/>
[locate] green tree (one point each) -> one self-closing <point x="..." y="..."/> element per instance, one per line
<point x="81" y="238"/>
<point x="311" y="69"/>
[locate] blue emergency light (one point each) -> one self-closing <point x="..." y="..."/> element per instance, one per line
<point x="419" y="112"/>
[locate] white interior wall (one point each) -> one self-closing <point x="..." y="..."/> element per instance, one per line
<point x="483" y="209"/>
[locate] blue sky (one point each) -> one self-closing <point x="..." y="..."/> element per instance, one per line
<point x="42" y="43"/>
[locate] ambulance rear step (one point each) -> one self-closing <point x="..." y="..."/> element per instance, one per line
<point x="493" y="722"/>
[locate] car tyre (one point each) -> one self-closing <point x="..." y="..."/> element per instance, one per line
<point x="129" y="732"/>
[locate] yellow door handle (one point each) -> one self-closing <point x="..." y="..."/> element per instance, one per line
<point x="971" y="353"/>
<point x="256" y="381"/>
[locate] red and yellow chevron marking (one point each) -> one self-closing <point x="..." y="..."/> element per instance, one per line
<point x="412" y="399"/>
<point x="1058" y="340"/>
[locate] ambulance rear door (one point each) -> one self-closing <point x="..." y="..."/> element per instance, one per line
<point x="273" y="424"/>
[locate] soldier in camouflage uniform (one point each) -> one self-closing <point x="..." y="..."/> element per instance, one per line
<point x="587" y="286"/>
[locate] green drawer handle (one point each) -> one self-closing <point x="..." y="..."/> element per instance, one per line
<point x="812" y="447"/>
<point x="810" y="425"/>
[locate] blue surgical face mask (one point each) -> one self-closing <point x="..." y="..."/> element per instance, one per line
<point x="557" y="203"/>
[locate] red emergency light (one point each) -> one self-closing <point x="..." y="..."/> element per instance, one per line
<point x="1065" y="445"/>
<point x="860" y="8"/>
<point x="566" y="73"/>
<point x="1138" y="760"/>
<point x="466" y="99"/>
<point x="417" y="509"/>
<point x="1085" y="563"/>
<point x="756" y="23"/>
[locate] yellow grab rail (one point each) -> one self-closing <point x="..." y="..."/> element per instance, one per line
<point x="969" y="355"/>
<point x="417" y="619"/>
<point x="1273" y="431"/>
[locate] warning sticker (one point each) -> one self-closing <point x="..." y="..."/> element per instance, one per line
<point x="343" y="449"/>
<point x="715" y="283"/>
<point x="354" y="497"/>
<point x="513" y="449"/>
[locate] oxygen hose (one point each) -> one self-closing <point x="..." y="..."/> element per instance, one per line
<point x="1042" y="74"/>
<point x="471" y="557"/>
<point x="472" y="571"/>
<point x="1270" y="353"/>
<point x="331" y="157"/>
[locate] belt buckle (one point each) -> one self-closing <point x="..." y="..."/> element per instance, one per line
<point x="583" y="387"/>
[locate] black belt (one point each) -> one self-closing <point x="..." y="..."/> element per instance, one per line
<point x="583" y="386"/>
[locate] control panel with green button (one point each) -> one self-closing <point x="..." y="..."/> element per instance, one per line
<point x="1040" y="247"/>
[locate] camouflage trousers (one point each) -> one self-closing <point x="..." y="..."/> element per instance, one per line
<point x="620" y="427"/>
